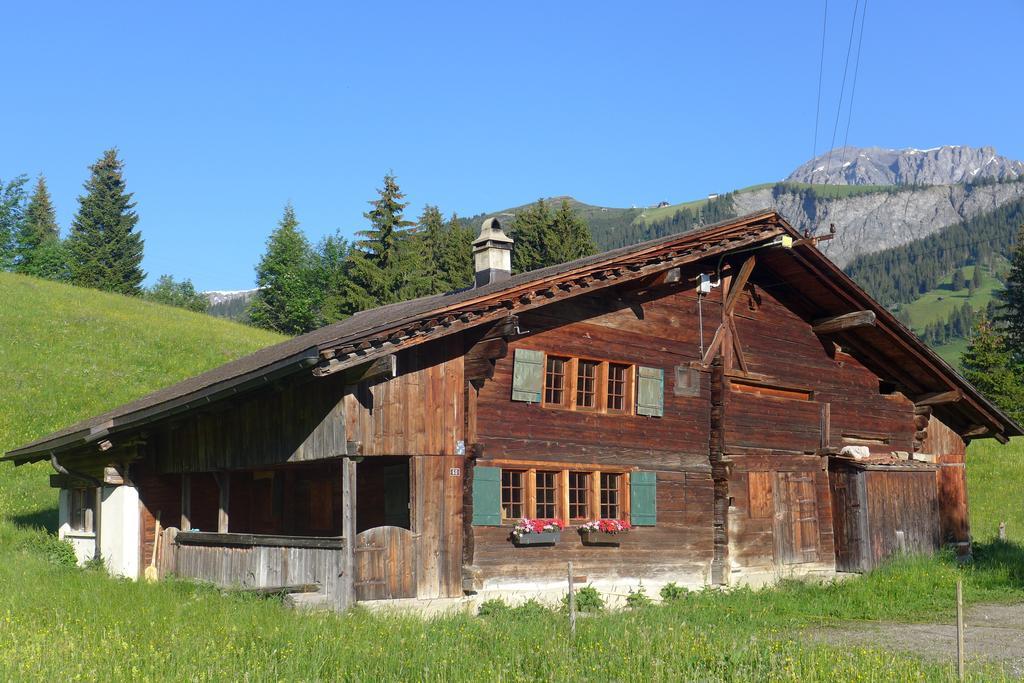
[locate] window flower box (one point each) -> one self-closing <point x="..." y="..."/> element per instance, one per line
<point x="603" y="531"/>
<point x="530" y="532"/>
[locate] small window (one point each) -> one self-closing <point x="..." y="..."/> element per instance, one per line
<point x="610" y="495"/>
<point x="579" y="495"/>
<point x="547" y="495"/>
<point x="618" y="377"/>
<point x="511" y="494"/>
<point x="554" y="380"/>
<point x="83" y="503"/>
<point x="586" y="384"/>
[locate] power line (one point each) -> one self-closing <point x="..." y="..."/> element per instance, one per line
<point x="842" y="90"/>
<point x="856" y="70"/>
<point x="817" y="107"/>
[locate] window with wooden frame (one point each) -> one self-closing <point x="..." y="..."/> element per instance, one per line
<point x="555" y="380"/>
<point x="572" y="493"/>
<point x="82" y="506"/>
<point x="585" y="384"/>
<point x="512" y="494"/>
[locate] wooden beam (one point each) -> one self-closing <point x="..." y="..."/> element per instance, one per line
<point x="384" y="367"/>
<point x="842" y="323"/>
<point x="346" y="587"/>
<point x="975" y="431"/>
<point x="223" y="501"/>
<point x="939" y="398"/>
<point x="736" y="287"/>
<point x="1001" y="438"/>
<point x="186" y="502"/>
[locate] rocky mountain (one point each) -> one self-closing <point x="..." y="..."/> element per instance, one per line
<point x="230" y="304"/>
<point x="877" y="219"/>
<point x="945" y="165"/>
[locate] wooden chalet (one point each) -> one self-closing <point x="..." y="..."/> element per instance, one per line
<point x="729" y="392"/>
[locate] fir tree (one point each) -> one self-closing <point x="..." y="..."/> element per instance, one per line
<point x="456" y="261"/>
<point x="989" y="365"/>
<point x="39" y="251"/>
<point x="976" y="276"/>
<point x="378" y="268"/>
<point x="530" y="229"/>
<point x="1011" y="308"/>
<point x="431" y="231"/>
<point x="104" y="249"/>
<point x="958" y="280"/>
<point x="12" y="213"/>
<point x="287" y="300"/>
<point x="570" y="236"/>
<point x="331" y="275"/>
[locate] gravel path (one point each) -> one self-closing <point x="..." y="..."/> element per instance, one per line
<point x="992" y="634"/>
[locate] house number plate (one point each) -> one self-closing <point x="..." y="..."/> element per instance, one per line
<point x="455" y="471"/>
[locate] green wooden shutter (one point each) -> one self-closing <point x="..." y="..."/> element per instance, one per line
<point x="528" y="376"/>
<point x="487" y="496"/>
<point x="650" y="391"/>
<point x="643" y="498"/>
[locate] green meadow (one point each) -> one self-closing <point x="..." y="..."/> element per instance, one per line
<point x="67" y="353"/>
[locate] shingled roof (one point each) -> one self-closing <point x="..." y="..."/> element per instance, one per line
<point x="386" y="329"/>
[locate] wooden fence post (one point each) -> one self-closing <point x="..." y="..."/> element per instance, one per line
<point x="572" y="603"/>
<point x="959" y="629"/>
<point x="1002" y="531"/>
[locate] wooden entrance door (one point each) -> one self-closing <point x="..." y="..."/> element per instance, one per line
<point x="796" y="518"/>
<point x="849" y="520"/>
<point x="385" y="559"/>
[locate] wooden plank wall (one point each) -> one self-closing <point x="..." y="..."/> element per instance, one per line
<point x="657" y="330"/>
<point x="902" y="502"/>
<point x="296" y="422"/>
<point x="438" y="513"/>
<point x="950" y="454"/>
<point x="258" y="566"/>
<point x="157" y="494"/>
<point x="420" y="412"/>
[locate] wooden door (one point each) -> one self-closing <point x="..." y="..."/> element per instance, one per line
<point x="849" y="524"/>
<point x="796" y="518"/>
<point x="385" y="559"/>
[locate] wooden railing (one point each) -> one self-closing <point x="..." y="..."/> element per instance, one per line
<point x="254" y="561"/>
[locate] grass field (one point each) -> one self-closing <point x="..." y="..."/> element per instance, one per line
<point x="63" y="346"/>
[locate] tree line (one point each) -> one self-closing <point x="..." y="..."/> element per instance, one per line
<point x="103" y="249"/>
<point x="303" y="286"/>
<point x="901" y="274"/>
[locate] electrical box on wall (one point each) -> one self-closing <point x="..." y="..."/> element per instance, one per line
<point x="705" y="285"/>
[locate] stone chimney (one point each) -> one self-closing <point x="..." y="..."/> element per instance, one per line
<point x="492" y="254"/>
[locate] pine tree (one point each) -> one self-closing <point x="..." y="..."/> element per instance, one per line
<point x="378" y="272"/>
<point x="331" y="276"/>
<point x="1011" y="298"/>
<point x="287" y="300"/>
<point x="989" y="365"/>
<point x="530" y="229"/>
<point x="456" y="263"/>
<point x="431" y="232"/>
<point x="104" y="249"/>
<point x="958" y="280"/>
<point x="976" y="276"/>
<point x="12" y="213"/>
<point x="570" y="234"/>
<point x="39" y="250"/>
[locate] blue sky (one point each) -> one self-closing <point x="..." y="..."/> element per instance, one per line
<point x="225" y="111"/>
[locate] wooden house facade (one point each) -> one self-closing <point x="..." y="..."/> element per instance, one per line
<point x="728" y="393"/>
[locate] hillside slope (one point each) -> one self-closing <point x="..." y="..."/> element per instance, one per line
<point x="69" y="353"/>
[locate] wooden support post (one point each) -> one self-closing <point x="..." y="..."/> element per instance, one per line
<point x="959" y="629"/>
<point x="572" y="603"/>
<point x="346" y="587"/>
<point x="1002" y="531"/>
<point x="224" y="502"/>
<point x="842" y="323"/>
<point x="186" y="502"/>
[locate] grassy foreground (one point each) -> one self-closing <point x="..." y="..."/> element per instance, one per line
<point x="62" y="345"/>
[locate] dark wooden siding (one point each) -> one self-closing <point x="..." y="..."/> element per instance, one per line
<point x="658" y="331"/>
